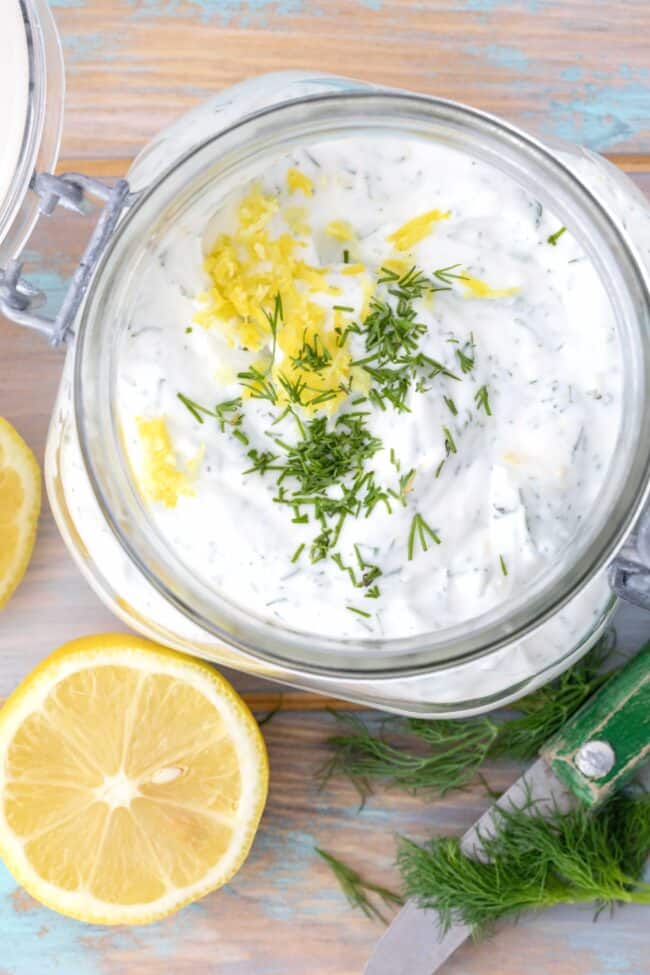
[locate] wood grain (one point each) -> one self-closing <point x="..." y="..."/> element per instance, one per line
<point x="575" y="69"/>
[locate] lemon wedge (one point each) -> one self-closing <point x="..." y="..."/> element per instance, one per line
<point x="132" y="780"/>
<point x="20" y="504"/>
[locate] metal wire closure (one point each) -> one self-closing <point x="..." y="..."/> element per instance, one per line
<point x="19" y="299"/>
<point x="629" y="573"/>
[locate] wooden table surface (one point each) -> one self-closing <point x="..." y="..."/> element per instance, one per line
<point x="574" y="69"/>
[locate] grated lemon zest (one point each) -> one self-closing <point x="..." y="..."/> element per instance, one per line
<point x="417" y="229"/>
<point x="163" y="481"/>
<point x="475" y="288"/>
<point x="340" y="230"/>
<point x="299" y="181"/>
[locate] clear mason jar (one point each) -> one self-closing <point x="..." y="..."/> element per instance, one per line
<point x="182" y="175"/>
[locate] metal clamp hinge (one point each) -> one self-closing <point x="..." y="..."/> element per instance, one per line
<point x="629" y="573"/>
<point x="19" y="299"/>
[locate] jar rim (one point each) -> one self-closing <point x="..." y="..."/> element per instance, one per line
<point x="516" y="154"/>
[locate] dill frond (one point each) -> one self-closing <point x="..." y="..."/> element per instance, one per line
<point x="534" y="862"/>
<point x="356" y="889"/>
<point x="421" y="755"/>
<point x="444" y="754"/>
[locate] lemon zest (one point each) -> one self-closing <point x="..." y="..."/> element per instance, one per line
<point x="417" y="229"/>
<point x="163" y="481"/>
<point x="475" y="288"/>
<point x="299" y="181"/>
<point x="340" y="230"/>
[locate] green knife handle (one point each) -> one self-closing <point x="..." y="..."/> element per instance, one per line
<point x="608" y="739"/>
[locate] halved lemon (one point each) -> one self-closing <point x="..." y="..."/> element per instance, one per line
<point x="20" y="504"/>
<point x="132" y="780"/>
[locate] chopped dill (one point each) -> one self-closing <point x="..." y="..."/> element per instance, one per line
<point x="504" y="567"/>
<point x="346" y="256"/>
<point x="421" y="532"/>
<point x="451" y="406"/>
<point x="450" y="443"/>
<point x="338" y="560"/>
<point x="359" y="612"/>
<point x="293" y="388"/>
<point x="342" y="308"/>
<point x="356" y="889"/>
<point x="482" y="401"/>
<point x="225" y="413"/>
<point x="310" y="357"/>
<point x="406" y="484"/>
<point x="262" y="461"/>
<point x="445" y="274"/>
<point x="296" y="555"/>
<point x="439" y="468"/>
<point x="553" y="239"/>
<point x="257" y="383"/>
<point x="467" y="355"/>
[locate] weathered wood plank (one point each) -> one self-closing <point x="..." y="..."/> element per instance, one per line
<point x="569" y="68"/>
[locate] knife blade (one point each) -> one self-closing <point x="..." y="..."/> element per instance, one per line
<point x="595" y="753"/>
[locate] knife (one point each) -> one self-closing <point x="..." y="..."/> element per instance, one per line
<point x="594" y="754"/>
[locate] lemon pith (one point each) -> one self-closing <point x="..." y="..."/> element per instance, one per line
<point x="132" y="780"/>
<point x="20" y="504"/>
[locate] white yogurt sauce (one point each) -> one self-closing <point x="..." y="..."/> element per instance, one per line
<point x="14" y="87"/>
<point x="516" y="484"/>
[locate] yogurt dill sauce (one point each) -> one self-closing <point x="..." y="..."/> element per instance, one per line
<point x="379" y="397"/>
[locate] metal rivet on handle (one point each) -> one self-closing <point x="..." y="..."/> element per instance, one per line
<point x="595" y="759"/>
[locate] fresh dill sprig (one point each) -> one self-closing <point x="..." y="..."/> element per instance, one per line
<point x="553" y="238"/>
<point x="481" y="398"/>
<point x="356" y="889"/>
<point x="442" y="755"/>
<point x="534" y="862"/>
<point x="435" y="756"/>
<point x="504" y="567"/>
<point x="420" y="531"/>
<point x="359" y="612"/>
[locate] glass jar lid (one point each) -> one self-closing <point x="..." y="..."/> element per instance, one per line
<point x="31" y="114"/>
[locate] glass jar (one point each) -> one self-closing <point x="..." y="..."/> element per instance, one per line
<point x="179" y="180"/>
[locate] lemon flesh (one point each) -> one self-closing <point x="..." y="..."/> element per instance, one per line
<point x="20" y="504"/>
<point x="132" y="780"/>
